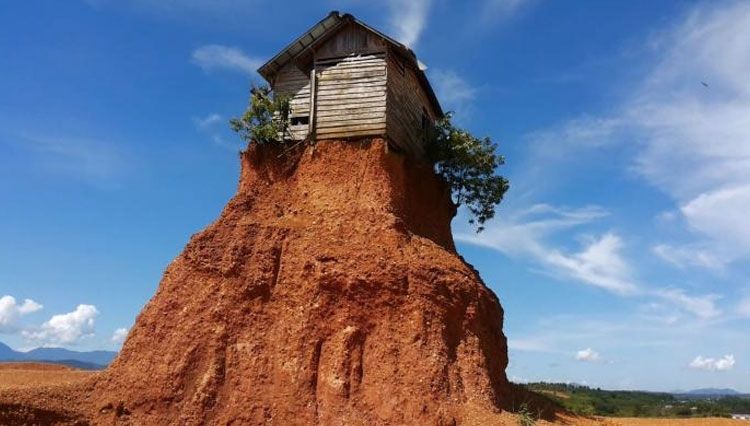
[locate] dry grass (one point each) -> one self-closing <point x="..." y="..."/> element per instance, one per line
<point x="19" y="375"/>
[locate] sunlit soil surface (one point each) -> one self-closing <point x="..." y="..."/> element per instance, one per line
<point x="19" y="375"/>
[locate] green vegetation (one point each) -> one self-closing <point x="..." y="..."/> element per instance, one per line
<point x="266" y="118"/>
<point x="468" y="164"/>
<point x="587" y="401"/>
<point x="524" y="416"/>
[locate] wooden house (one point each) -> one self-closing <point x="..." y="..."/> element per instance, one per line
<point x="346" y="80"/>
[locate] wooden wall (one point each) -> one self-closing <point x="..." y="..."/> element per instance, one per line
<point x="292" y="82"/>
<point x="407" y="103"/>
<point x="350" y="96"/>
<point x="350" y="40"/>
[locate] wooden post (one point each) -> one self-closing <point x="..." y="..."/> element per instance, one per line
<point x="311" y="125"/>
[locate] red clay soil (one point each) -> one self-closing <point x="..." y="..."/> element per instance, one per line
<point x="329" y="291"/>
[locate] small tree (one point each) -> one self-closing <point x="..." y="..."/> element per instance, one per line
<point x="266" y="119"/>
<point x="468" y="165"/>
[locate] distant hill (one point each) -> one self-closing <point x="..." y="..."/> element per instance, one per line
<point x="94" y="360"/>
<point x="6" y="352"/>
<point x="710" y="392"/>
<point x="705" y="393"/>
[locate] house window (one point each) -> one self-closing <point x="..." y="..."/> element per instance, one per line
<point x="301" y="120"/>
<point x="425" y="126"/>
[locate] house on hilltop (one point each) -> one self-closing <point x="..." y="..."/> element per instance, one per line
<point x="346" y="79"/>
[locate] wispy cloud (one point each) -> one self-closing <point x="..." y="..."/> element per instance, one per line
<point x="743" y="307"/>
<point x="11" y="311"/>
<point x="215" y="57"/>
<point x="408" y="18"/>
<point x="530" y="344"/>
<point x="502" y="9"/>
<point x="97" y="161"/>
<point x="208" y="121"/>
<point x="689" y="255"/>
<point x="724" y="363"/>
<point x="677" y="124"/>
<point x="532" y="235"/>
<point x="598" y="263"/>
<point x="454" y="92"/>
<point x="213" y="125"/>
<point x="703" y="306"/>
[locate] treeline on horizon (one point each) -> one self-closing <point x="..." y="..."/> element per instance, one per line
<point x="587" y="401"/>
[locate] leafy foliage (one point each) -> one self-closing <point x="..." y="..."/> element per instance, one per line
<point x="266" y="119"/>
<point x="468" y="165"/>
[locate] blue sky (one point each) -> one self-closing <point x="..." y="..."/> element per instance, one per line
<point x="621" y="254"/>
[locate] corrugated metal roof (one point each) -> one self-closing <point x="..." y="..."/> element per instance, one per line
<point x="325" y="28"/>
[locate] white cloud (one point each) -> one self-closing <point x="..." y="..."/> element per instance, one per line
<point x="408" y="19"/>
<point x="119" y="335"/>
<point x="599" y="262"/>
<point x="210" y="126"/>
<point x="216" y="57"/>
<point x="695" y="140"/>
<point x="11" y="311"/>
<point x="208" y="121"/>
<point x="724" y="363"/>
<point x="689" y="255"/>
<point x="587" y="355"/>
<point x="66" y="328"/>
<point x="93" y="160"/>
<point x="743" y="307"/>
<point x="454" y="92"/>
<point x="701" y="306"/>
<point x="529" y="345"/>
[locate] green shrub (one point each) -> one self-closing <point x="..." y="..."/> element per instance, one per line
<point x="524" y="416"/>
<point x="266" y="119"/>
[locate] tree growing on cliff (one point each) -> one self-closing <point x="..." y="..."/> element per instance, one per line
<point x="266" y="118"/>
<point x="468" y="164"/>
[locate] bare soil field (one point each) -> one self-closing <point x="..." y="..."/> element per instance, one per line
<point x="19" y="375"/>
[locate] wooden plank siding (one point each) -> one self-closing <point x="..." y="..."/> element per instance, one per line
<point x="292" y="82"/>
<point x="350" y="96"/>
<point x="358" y="85"/>
<point x="406" y="105"/>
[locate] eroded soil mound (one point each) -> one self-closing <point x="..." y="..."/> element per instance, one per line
<point x="328" y="291"/>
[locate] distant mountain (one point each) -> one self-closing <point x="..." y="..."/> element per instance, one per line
<point x="93" y="360"/>
<point x="710" y="392"/>
<point x="6" y="351"/>
<point x="60" y="354"/>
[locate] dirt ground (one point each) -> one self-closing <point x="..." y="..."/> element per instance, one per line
<point x="19" y="375"/>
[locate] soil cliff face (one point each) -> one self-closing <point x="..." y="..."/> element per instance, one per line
<point x="328" y="292"/>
